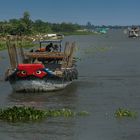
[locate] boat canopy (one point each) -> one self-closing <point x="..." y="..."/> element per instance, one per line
<point x="48" y="41"/>
<point x="43" y="43"/>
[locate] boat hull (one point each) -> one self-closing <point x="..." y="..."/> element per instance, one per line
<point x="38" y="85"/>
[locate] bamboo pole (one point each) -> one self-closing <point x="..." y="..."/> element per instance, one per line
<point x="21" y="51"/>
<point x="12" y="52"/>
<point x="66" y="54"/>
<point x="71" y="55"/>
<point x="15" y="56"/>
<point x="9" y="52"/>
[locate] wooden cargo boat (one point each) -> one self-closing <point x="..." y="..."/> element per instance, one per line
<point x="47" y="68"/>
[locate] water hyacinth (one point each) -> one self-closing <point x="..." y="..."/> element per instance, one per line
<point x="59" y="112"/>
<point x="83" y="113"/>
<point x="23" y="114"/>
<point x="125" y="113"/>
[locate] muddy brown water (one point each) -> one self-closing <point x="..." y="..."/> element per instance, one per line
<point x="109" y="78"/>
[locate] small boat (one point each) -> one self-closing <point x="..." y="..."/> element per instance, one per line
<point x="133" y="32"/>
<point x="103" y="31"/>
<point x="46" y="68"/>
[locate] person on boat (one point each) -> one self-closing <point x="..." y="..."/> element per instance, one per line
<point x="49" y="47"/>
<point x="55" y="48"/>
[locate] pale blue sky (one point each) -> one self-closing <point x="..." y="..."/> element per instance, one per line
<point x="98" y="12"/>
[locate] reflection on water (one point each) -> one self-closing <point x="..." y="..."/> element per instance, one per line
<point x="55" y="99"/>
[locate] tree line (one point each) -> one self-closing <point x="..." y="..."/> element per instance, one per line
<point x="26" y="26"/>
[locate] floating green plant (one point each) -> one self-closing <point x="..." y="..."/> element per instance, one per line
<point x="23" y="114"/>
<point x="121" y="112"/>
<point x="59" y="112"/>
<point x="15" y="114"/>
<point x="83" y="113"/>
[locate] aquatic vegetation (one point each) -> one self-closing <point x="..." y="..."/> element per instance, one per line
<point x="24" y="114"/>
<point x="121" y="112"/>
<point x="59" y="112"/>
<point x="15" y="113"/>
<point x="83" y="113"/>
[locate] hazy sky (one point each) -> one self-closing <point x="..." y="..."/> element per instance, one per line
<point x="98" y="12"/>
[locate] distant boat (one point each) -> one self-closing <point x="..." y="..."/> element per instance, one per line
<point x="133" y="32"/>
<point x="102" y="30"/>
<point x="46" y="68"/>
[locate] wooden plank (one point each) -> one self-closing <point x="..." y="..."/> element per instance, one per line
<point x="53" y="55"/>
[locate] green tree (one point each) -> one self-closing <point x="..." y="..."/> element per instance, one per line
<point x="26" y="23"/>
<point x="41" y="26"/>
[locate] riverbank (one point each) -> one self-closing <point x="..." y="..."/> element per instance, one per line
<point x="28" y="43"/>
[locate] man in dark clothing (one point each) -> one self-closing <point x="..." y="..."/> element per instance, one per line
<point x="49" y="47"/>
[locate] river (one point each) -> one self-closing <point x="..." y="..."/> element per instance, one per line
<point x="109" y="78"/>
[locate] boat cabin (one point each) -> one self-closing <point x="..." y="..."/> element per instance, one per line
<point x="49" y="46"/>
<point x="49" y="53"/>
